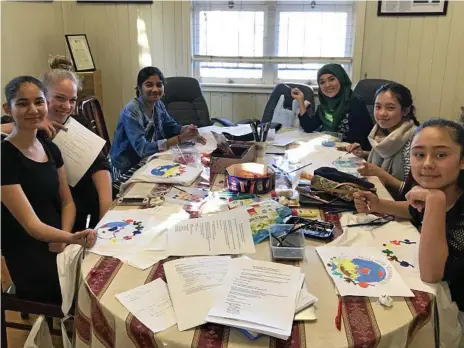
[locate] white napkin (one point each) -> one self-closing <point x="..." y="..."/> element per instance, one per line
<point x="39" y="336"/>
<point x="68" y="266"/>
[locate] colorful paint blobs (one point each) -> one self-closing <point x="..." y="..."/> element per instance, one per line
<point x="357" y="271"/>
<point x="391" y="255"/>
<point x="117" y="231"/>
<point x="169" y="170"/>
<point x="189" y="197"/>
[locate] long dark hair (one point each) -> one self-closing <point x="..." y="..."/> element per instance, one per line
<point x="403" y="96"/>
<point x="455" y="130"/>
<point x="12" y="87"/>
<point x="145" y="74"/>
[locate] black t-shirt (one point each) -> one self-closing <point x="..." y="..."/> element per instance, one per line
<point x="85" y="193"/>
<point x="454" y="267"/>
<point x="31" y="265"/>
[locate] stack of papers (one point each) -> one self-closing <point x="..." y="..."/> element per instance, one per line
<point x="258" y="296"/>
<point x="255" y="296"/>
<point x="193" y="284"/>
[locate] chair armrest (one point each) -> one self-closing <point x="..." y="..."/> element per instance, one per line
<point x="248" y="121"/>
<point x="223" y="121"/>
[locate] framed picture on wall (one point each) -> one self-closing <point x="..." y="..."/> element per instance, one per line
<point x="80" y="52"/>
<point x="412" y="7"/>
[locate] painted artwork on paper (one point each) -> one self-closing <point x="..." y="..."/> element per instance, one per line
<point x="358" y="271"/>
<point x="362" y="271"/>
<point x="169" y="170"/>
<point x="124" y="231"/>
<point x="120" y="231"/>
<point x="389" y="251"/>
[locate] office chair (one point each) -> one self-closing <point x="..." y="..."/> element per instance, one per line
<point x="366" y="90"/>
<point x="282" y="88"/>
<point x="91" y="109"/>
<point x="185" y="102"/>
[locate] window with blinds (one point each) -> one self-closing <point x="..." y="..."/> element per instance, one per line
<point x="264" y="42"/>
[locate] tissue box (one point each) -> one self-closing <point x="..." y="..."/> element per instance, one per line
<point x="244" y="152"/>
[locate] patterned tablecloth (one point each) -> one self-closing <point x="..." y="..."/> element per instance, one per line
<point x="101" y="321"/>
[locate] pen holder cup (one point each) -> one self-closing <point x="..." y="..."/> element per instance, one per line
<point x="290" y="247"/>
<point x="260" y="148"/>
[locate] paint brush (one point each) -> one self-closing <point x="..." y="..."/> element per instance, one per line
<point x="87" y="224"/>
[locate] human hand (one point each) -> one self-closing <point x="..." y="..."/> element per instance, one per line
<point x="366" y="202"/>
<point x="370" y="169"/>
<point x="79" y="238"/>
<point x="201" y="140"/>
<point x="56" y="247"/>
<point x="51" y="127"/>
<point x="297" y="94"/>
<point x="355" y="149"/>
<point x="188" y="133"/>
<point x="418" y="197"/>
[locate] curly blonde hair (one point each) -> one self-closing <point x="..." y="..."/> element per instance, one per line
<point x="61" y="68"/>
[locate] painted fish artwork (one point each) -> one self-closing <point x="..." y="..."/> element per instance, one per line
<point x="362" y="271"/>
<point x="169" y="170"/>
<point x="118" y="231"/>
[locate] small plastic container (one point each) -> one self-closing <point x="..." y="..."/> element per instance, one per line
<point x="293" y="246"/>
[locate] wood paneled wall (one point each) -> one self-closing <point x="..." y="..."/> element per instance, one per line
<point x="424" y="53"/>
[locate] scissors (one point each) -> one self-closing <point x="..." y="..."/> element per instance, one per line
<point x="380" y="221"/>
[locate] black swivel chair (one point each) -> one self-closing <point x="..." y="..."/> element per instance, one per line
<point x="185" y="102"/>
<point x="366" y="90"/>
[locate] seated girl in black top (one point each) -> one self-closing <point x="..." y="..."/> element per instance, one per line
<point x="339" y="111"/>
<point x="435" y="203"/>
<point x="37" y="208"/>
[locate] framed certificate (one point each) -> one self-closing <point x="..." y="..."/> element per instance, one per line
<point x="412" y="7"/>
<point x="80" y="52"/>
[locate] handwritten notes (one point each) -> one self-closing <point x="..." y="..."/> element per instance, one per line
<point x="151" y="304"/>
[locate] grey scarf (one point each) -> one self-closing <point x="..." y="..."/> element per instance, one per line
<point x="387" y="151"/>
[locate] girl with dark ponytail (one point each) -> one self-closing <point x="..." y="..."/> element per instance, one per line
<point x="390" y="138"/>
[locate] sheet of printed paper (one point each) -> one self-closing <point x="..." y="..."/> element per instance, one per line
<point x="122" y="232"/>
<point x="151" y="304"/>
<point x="223" y="233"/>
<point x="253" y="291"/>
<point x="193" y="284"/>
<point x="79" y="147"/>
<point x="362" y="271"/>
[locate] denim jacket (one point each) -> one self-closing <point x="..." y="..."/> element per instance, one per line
<point x="139" y="135"/>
